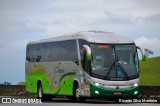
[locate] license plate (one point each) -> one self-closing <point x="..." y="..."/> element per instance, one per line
<point x="117" y="93"/>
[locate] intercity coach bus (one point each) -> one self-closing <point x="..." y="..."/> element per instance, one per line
<point x="84" y="64"/>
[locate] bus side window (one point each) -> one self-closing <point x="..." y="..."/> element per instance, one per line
<point x="45" y="52"/>
<point x="28" y="53"/>
<point x="32" y="53"/>
<point x="38" y="52"/>
<point x="71" y="49"/>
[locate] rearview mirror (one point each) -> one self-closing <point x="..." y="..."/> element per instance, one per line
<point x="88" y="50"/>
<point x="143" y="53"/>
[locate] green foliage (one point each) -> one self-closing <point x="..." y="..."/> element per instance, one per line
<point x="150" y="71"/>
<point x="21" y="83"/>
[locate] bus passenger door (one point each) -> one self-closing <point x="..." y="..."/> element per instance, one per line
<point x="86" y="67"/>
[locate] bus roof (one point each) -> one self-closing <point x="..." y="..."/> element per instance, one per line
<point x="90" y="36"/>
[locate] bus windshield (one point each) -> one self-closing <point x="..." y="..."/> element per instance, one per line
<point x="114" y="62"/>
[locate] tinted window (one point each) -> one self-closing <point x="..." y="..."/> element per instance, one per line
<point x="27" y="53"/>
<point x="38" y="54"/>
<point x="71" y="50"/>
<point x="45" y="51"/>
<point x="52" y="51"/>
<point x="34" y="52"/>
<point x="64" y="50"/>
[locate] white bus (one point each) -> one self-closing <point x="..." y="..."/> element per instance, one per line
<point x="84" y="64"/>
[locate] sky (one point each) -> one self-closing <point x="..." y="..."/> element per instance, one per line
<point x="22" y="21"/>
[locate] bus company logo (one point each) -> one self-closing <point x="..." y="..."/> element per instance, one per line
<point x="6" y="100"/>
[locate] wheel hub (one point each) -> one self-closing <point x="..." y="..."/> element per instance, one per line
<point x="77" y="93"/>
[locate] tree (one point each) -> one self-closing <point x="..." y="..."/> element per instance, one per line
<point x="6" y="83"/>
<point x="148" y="52"/>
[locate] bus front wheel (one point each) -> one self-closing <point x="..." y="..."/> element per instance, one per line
<point x="77" y="97"/>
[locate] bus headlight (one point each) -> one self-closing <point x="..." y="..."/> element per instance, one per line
<point x="135" y="84"/>
<point x="97" y="84"/>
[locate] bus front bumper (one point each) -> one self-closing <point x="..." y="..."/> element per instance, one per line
<point x="97" y="91"/>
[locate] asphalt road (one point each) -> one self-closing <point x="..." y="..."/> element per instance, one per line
<point x="87" y="103"/>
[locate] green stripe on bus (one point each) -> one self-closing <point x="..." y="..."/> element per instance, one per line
<point x="69" y="73"/>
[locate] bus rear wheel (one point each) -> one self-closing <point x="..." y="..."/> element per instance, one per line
<point x="40" y="91"/>
<point x="42" y="96"/>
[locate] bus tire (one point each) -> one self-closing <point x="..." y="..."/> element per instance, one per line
<point x="77" y="97"/>
<point x="39" y="91"/>
<point x="42" y="96"/>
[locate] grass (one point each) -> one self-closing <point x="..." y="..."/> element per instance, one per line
<point x="150" y="71"/>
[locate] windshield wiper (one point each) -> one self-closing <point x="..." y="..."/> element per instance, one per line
<point x="119" y="65"/>
<point x="109" y="71"/>
<point x="124" y="71"/>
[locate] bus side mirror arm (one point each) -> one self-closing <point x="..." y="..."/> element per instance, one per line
<point x="88" y="50"/>
<point x="143" y="53"/>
